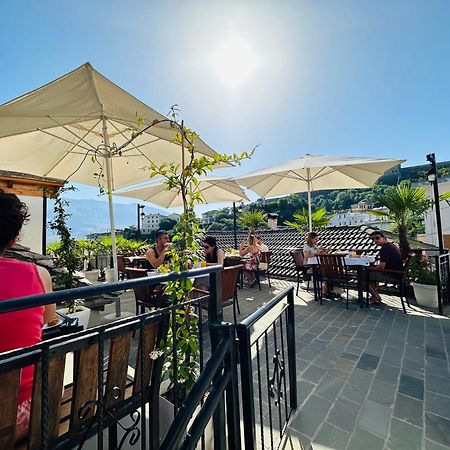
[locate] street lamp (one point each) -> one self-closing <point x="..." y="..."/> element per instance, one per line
<point x="139" y="215"/>
<point x="239" y="209"/>
<point x="433" y="179"/>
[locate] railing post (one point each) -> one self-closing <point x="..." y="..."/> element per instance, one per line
<point x="248" y="405"/>
<point x="291" y="350"/>
<point x="233" y="419"/>
<point x="215" y="318"/>
<point x="437" y="262"/>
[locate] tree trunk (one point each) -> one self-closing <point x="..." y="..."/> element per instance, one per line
<point x="403" y="239"/>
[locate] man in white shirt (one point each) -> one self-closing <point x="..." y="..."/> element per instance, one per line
<point x="262" y="247"/>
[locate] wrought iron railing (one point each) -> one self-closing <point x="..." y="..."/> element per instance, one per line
<point x="111" y="404"/>
<point x="442" y="263"/>
<point x="266" y="342"/>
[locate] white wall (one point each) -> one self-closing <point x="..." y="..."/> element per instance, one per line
<point x="31" y="234"/>
<point x="430" y="218"/>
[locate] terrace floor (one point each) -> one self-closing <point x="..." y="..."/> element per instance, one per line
<point x="367" y="378"/>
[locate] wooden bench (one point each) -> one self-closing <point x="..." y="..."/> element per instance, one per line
<point x="101" y="394"/>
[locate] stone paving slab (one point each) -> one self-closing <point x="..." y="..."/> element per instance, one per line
<point x="385" y="377"/>
<point x="366" y="378"/>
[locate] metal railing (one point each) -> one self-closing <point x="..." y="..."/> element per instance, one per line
<point x="264" y="352"/>
<point x="266" y="342"/>
<point x="442" y="264"/>
<point x="137" y="433"/>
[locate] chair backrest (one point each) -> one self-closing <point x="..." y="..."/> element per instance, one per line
<point x="230" y="276"/>
<point x="265" y="257"/>
<point x="407" y="263"/>
<point x="332" y="266"/>
<point x="72" y="413"/>
<point x="121" y="263"/>
<point x="298" y="257"/>
<point x="142" y="293"/>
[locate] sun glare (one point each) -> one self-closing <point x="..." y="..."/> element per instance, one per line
<point x="234" y="61"/>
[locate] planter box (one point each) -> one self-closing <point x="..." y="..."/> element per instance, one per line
<point x="82" y="315"/>
<point x="91" y="275"/>
<point x="109" y="275"/>
<point x="426" y="294"/>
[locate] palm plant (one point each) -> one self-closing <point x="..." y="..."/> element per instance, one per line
<point x="253" y="219"/>
<point x="319" y="217"/>
<point x="405" y="204"/>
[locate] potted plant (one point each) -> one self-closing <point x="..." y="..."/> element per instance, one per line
<point x="424" y="282"/>
<point x="68" y="258"/>
<point x="88" y="249"/>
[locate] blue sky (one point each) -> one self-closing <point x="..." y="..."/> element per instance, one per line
<point x="331" y="77"/>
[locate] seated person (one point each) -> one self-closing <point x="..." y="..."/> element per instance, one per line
<point x="252" y="251"/>
<point x="390" y="259"/>
<point x="259" y="242"/>
<point x="311" y="250"/>
<point x="19" y="279"/>
<point x="263" y="248"/>
<point x="156" y="256"/>
<point x="213" y="254"/>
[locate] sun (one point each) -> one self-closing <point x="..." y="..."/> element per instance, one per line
<point x="234" y="61"/>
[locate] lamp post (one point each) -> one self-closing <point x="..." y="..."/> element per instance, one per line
<point x="236" y="210"/>
<point x="139" y="215"/>
<point x="433" y="179"/>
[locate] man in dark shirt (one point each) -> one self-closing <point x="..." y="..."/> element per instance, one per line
<point x="390" y="259"/>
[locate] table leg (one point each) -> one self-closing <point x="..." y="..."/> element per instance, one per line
<point x="316" y="283"/>
<point x="360" y="275"/>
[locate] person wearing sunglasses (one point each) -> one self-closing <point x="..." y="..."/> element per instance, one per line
<point x="213" y="254"/>
<point x="390" y="259"/>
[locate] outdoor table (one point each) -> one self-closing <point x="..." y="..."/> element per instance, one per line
<point x="65" y="326"/>
<point x="136" y="261"/>
<point x="358" y="263"/>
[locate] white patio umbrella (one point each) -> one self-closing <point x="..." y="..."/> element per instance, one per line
<point x="70" y="127"/>
<point x="212" y="190"/>
<point x="316" y="172"/>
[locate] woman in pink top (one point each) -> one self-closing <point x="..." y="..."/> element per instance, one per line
<point x="18" y="279"/>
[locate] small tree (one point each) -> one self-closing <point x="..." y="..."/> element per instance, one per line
<point x="253" y="219"/>
<point x="319" y="218"/>
<point x="68" y="254"/>
<point x="185" y="251"/>
<point x="405" y="204"/>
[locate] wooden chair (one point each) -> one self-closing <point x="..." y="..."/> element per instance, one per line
<point x="145" y="296"/>
<point x="397" y="278"/>
<point x="230" y="276"/>
<point x="264" y="259"/>
<point x="334" y="270"/>
<point x="75" y="414"/>
<point x="301" y="270"/>
<point x="121" y="265"/>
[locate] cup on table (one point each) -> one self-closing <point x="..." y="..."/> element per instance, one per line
<point x="203" y="263"/>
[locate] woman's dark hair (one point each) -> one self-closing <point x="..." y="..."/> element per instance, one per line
<point x="310" y="237"/>
<point x="211" y="241"/>
<point x="13" y="214"/>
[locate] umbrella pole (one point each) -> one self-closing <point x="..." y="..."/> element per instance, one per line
<point x="109" y="184"/>
<point x="308" y="172"/>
